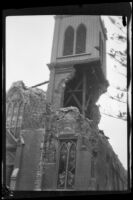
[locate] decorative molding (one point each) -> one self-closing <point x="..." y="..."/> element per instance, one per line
<point x="74" y="55"/>
<point x="72" y="62"/>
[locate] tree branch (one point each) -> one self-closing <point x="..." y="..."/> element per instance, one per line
<point x="116" y="24"/>
<point x="116" y="99"/>
<point x="113" y="56"/>
<point x="113" y="116"/>
<point x="117" y="88"/>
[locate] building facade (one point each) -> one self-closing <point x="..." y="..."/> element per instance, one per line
<point x="25" y="110"/>
<point x="57" y="142"/>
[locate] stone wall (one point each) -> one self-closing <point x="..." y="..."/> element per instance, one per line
<point x="29" y="116"/>
<point x="94" y="155"/>
<point x="36" y="159"/>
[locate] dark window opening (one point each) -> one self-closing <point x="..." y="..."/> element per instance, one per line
<point x="68" y="41"/>
<point x="81" y="39"/>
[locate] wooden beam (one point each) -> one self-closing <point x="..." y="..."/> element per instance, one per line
<point x="40" y="84"/>
<point x="78" y="84"/>
<point x="72" y="91"/>
<point x="88" y="101"/>
<point x="77" y="101"/>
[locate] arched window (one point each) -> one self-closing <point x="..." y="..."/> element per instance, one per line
<point x="68" y="41"/>
<point x="67" y="165"/>
<point x="80" y="39"/>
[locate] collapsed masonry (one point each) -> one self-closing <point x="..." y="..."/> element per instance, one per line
<point x="59" y="149"/>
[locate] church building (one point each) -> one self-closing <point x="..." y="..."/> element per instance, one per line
<point x="52" y="139"/>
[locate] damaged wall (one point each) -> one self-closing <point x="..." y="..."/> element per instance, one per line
<point x="94" y="155"/>
<point x="53" y="148"/>
<point x="25" y="110"/>
<point x="61" y="150"/>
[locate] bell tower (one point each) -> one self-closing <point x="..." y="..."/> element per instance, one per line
<point x="78" y="63"/>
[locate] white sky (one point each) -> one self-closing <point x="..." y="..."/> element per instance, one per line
<point x="28" y="51"/>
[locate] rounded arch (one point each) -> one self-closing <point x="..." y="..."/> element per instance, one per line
<point x="68" y="41"/>
<point x="81" y="39"/>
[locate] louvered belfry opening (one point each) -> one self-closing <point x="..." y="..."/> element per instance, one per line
<point x="80" y="89"/>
